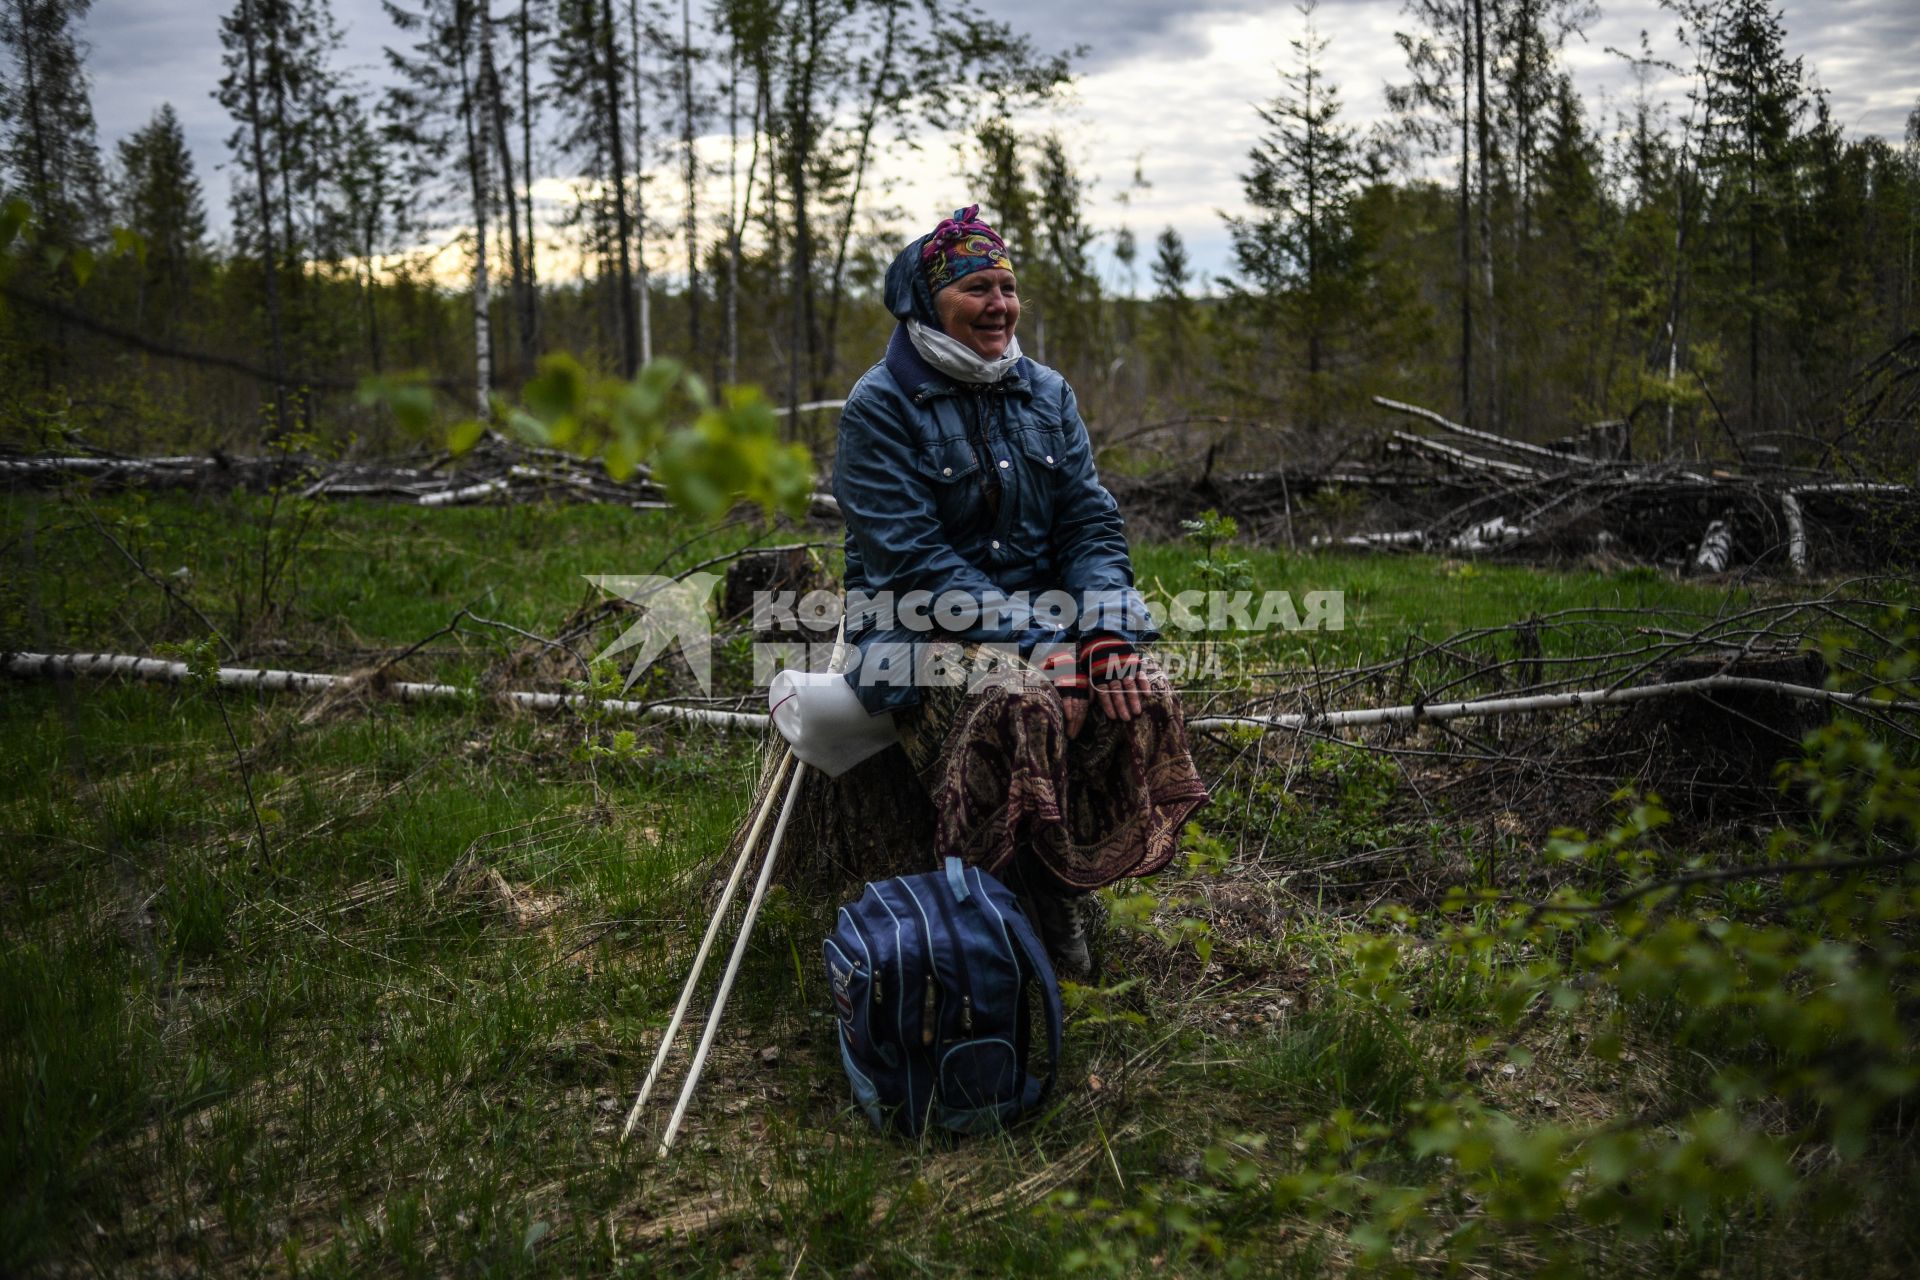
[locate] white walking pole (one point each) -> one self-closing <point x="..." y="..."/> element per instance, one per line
<point x="706" y="943"/>
<point x="733" y="961"/>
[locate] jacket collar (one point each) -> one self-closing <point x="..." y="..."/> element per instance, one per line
<point x="922" y="382"/>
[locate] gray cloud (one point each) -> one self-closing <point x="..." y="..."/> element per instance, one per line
<point x="1171" y="84"/>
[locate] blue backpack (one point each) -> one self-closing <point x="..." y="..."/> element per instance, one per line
<point x="930" y="977"/>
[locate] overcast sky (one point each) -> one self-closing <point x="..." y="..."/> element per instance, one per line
<point x="1172" y="87"/>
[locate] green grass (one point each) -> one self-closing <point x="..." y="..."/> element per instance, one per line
<point x="402" y="1037"/>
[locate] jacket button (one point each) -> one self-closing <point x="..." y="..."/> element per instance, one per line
<point x="946" y="471"/>
<point x="1005" y="464"/>
<point x="996" y="544"/>
<point x="1049" y="459"/>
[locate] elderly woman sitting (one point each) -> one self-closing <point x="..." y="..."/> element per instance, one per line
<point x="991" y="598"/>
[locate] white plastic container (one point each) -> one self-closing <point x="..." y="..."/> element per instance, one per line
<point x="817" y="712"/>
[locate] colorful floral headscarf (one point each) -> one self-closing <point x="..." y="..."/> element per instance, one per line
<point x="960" y="246"/>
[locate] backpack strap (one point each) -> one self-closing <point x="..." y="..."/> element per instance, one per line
<point x="1036" y="954"/>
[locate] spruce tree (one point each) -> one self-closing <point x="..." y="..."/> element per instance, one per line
<point x="1067" y="288"/>
<point x="1301" y="257"/>
<point x="159" y="199"/>
<point x="1753" y="102"/>
<point x="1173" y="308"/>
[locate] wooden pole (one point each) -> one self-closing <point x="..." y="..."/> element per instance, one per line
<point x="733" y="963"/>
<point x="706" y="943"/>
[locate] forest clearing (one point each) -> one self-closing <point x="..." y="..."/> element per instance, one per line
<point x="331" y="983"/>
<point x="1472" y="825"/>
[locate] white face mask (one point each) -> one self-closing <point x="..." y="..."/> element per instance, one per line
<point x="957" y="360"/>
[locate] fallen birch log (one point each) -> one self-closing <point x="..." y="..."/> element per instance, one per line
<point x="1477" y="708"/>
<point x="1484" y="437"/>
<point x="1791" y="507"/>
<point x="1796" y="531"/>
<point x="1464" y="460"/>
<point x="273" y="681"/>
<point x="1716" y="545"/>
<point x="159" y="669"/>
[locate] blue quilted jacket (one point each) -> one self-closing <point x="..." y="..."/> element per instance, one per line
<point x="922" y="463"/>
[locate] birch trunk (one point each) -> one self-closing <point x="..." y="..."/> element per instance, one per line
<point x="477" y="178"/>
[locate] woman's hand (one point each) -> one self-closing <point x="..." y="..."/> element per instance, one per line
<point x="1076" y="715"/>
<point x="1120" y="699"/>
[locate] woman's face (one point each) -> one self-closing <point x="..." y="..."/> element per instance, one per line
<point x="980" y="310"/>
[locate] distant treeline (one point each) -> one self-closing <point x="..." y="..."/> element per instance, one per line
<point x="1715" y="269"/>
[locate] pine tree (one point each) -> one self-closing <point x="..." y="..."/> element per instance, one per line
<point x="246" y="38"/>
<point x="1301" y="257"/>
<point x="444" y="112"/>
<point x="280" y="87"/>
<point x="49" y="151"/>
<point x="587" y="58"/>
<point x="369" y="209"/>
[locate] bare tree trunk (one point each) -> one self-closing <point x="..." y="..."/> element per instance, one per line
<point x="530" y="317"/>
<point x="1486" y="214"/>
<point x="776" y="246"/>
<point x="477" y="179"/>
<point x="805" y="330"/>
<point x="1466" y="224"/>
<point x="371" y="296"/>
<point x="737" y="207"/>
<point x="693" y="181"/>
<point x="616" y="146"/>
<point x="496" y="108"/>
<point x="296" y="306"/>
<point x="1753" y="274"/>
<point x="731" y="340"/>
<point x="643" y="285"/>
<point x="268" y="266"/>
<point x="831" y="343"/>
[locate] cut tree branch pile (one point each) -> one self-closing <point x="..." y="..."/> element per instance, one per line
<point x="1473" y="493"/>
<point x="1476" y="492"/>
<point x="498" y="472"/>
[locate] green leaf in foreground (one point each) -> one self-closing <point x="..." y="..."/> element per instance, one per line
<point x="462" y="436"/>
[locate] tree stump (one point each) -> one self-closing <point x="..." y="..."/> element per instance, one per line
<point x="775" y="573"/>
<point x="872" y="822"/>
<point x="1712" y="755"/>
